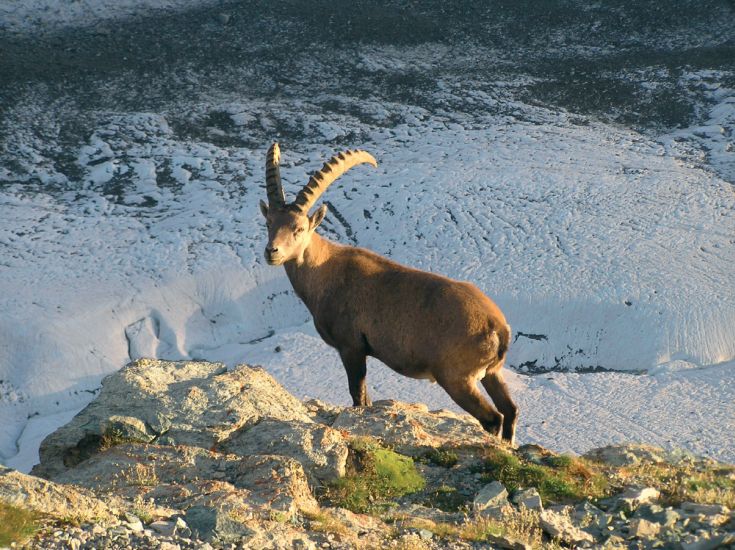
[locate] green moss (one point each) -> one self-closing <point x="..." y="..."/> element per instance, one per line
<point x="16" y="524"/>
<point x="376" y="477"/>
<point x="558" y="479"/>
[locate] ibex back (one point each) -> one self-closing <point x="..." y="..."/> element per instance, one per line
<point x="420" y="324"/>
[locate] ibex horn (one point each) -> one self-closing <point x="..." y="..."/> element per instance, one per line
<point x="273" y="185"/>
<point x="332" y="169"/>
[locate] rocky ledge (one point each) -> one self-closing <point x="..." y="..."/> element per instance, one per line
<point x="177" y="455"/>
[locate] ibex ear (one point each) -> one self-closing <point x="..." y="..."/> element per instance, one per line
<point x="264" y="208"/>
<point x="318" y="216"/>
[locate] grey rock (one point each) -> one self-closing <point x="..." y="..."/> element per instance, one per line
<point x="492" y="496"/>
<point x="528" y="498"/>
<point x="559" y="526"/>
<point x="175" y="403"/>
<point x="182" y="529"/>
<point x="165" y="528"/>
<point x="321" y="450"/>
<point x="135" y="526"/>
<point x="210" y="523"/>
<point x="643" y="529"/>
<point x="633" y="497"/>
<point x="426" y="534"/>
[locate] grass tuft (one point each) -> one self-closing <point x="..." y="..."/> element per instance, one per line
<point x="325" y="522"/>
<point x="559" y="479"/>
<point x="442" y="457"/>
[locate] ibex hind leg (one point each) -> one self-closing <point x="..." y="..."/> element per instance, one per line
<point x="356" y="368"/>
<point x="466" y="394"/>
<point x="498" y="391"/>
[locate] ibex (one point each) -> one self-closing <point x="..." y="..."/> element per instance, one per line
<point x="420" y="324"/>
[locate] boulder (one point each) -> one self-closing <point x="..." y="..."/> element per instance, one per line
<point x="173" y="403"/>
<point x="54" y="499"/>
<point x="411" y="428"/>
<point x="321" y="450"/>
<point x="181" y="477"/>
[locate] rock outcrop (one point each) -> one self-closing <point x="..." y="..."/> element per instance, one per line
<point x="190" y="455"/>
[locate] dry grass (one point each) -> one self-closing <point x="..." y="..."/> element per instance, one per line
<point x="520" y="525"/>
<point x="325" y="522"/>
<point x="141" y="475"/>
<point x="687" y="481"/>
<point x="144" y="509"/>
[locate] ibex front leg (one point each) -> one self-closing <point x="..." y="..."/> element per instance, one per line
<point x="355" y="365"/>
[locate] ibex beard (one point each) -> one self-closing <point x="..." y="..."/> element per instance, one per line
<point x="420" y="324"/>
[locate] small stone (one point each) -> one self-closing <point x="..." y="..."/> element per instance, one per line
<point x="588" y="512"/>
<point x="75" y="544"/>
<point x="425" y="534"/>
<point x="164" y="528"/>
<point x="224" y="18"/>
<point x="169" y="546"/>
<point x="135" y="526"/>
<point x="633" y="497"/>
<point x="528" y="498"/>
<point x="643" y="529"/>
<point x="559" y="526"/>
<point x="614" y="541"/>
<point x="492" y="495"/>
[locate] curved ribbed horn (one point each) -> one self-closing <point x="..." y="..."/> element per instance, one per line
<point x="273" y="186"/>
<point x="332" y="169"/>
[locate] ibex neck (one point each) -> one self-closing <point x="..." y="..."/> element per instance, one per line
<point x="306" y="276"/>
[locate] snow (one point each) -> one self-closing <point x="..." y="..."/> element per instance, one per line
<point x="607" y="249"/>
<point x="602" y="250"/>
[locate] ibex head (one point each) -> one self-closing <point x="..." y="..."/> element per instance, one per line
<point x="289" y="225"/>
